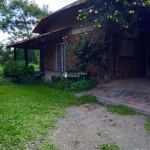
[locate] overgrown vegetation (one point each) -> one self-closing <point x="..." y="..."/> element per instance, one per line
<point x="27" y="110"/>
<point x="109" y="146"/>
<point x="79" y="85"/>
<point x="82" y="85"/>
<point x="116" y="19"/>
<point x="5" y="54"/>
<point x="121" y="110"/>
<point x="1" y="70"/>
<point x="88" y="51"/>
<point x="20" y="73"/>
<point x="118" y="16"/>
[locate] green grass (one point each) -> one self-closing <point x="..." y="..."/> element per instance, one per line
<point x="109" y="146"/>
<point x="121" y="110"/>
<point x="148" y="124"/>
<point x="1" y="70"/>
<point x="26" y="110"/>
<point x="36" y="66"/>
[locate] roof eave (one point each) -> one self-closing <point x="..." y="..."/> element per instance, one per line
<point x="38" y="28"/>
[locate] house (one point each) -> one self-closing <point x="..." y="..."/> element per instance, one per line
<point x="129" y="58"/>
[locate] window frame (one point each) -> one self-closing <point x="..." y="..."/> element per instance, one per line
<point x="62" y="51"/>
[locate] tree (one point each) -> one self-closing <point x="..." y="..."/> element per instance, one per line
<point x="88" y="51"/>
<point x="5" y="55"/>
<point x="116" y="17"/>
<point x="22" y="16"/>
<point x="18" y="18"/>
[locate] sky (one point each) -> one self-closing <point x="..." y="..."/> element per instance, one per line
<point x="53" y="6"/>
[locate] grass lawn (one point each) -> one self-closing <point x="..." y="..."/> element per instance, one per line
<point x="26" y="110"/>
<point x="121" y="110"/>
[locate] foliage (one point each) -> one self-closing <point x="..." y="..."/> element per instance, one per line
<point x="68" y="84"/>
<point x="87" y="52"/>
<point x="20" y="17"/>
<point x="19" y="72"/>
<point x="117" y="16"/>
<point x="121" y="110"/>
<point x="82" y="85"/>
<point x="109" y="146"/>
<point x="36" y="66"/>
<point x="5" y="54"/>
<point x="4" y="81"/>
<point x="33" y="56"/>
<point x="46" y="83"/>
<point x="1" y="70"/>
<point x="59" y="83"/>
<point x="148" y="124"/>
<point x="28" y="110"/>
<point x="56" y="79"/>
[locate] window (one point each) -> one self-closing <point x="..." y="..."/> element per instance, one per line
<point x="127" y="48"/>
<point x="59" y="55"/>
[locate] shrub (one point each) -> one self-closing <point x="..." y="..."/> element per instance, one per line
<point x="63" y="84"/>
<point x="109" y="146"/>
<point x="19" y="72"/>
<point x="4" y="81"/>
<point x="47" y="83"/>
<point x="56" y="79"/>
<point x="82" y="85"/>
<point x="1" y="70"/>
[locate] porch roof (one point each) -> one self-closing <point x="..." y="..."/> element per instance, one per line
<point x="34" y="42"/>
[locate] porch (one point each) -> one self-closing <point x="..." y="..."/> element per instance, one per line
<point x="45" y="44"/>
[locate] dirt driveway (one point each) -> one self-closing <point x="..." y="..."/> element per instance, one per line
<point x="87" y="126"/>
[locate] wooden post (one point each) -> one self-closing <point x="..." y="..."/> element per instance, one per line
<point x="15" y="54"/>
<point x="26" y="55"/>
<point x="42" y="68"/>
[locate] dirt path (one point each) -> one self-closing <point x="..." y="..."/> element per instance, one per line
<point x="87" y="126"/>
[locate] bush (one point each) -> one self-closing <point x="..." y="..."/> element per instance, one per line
<point x="56" y="79"/>
<point x="19" y="72"/>
<point x="109" y="146"/>
<point x="4" y="81"/>
<point x="46" y="83"/>
<point x="78" y="85"/>
<point x="1" y="70"/>
<point x="63" y="84"/>
<point x="82" y="85"/>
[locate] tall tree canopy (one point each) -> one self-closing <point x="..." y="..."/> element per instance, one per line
<point x="116" y="16"/>
<point x="19" y="17"/>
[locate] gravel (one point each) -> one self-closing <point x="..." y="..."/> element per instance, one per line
<point x="87" y="126"/>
